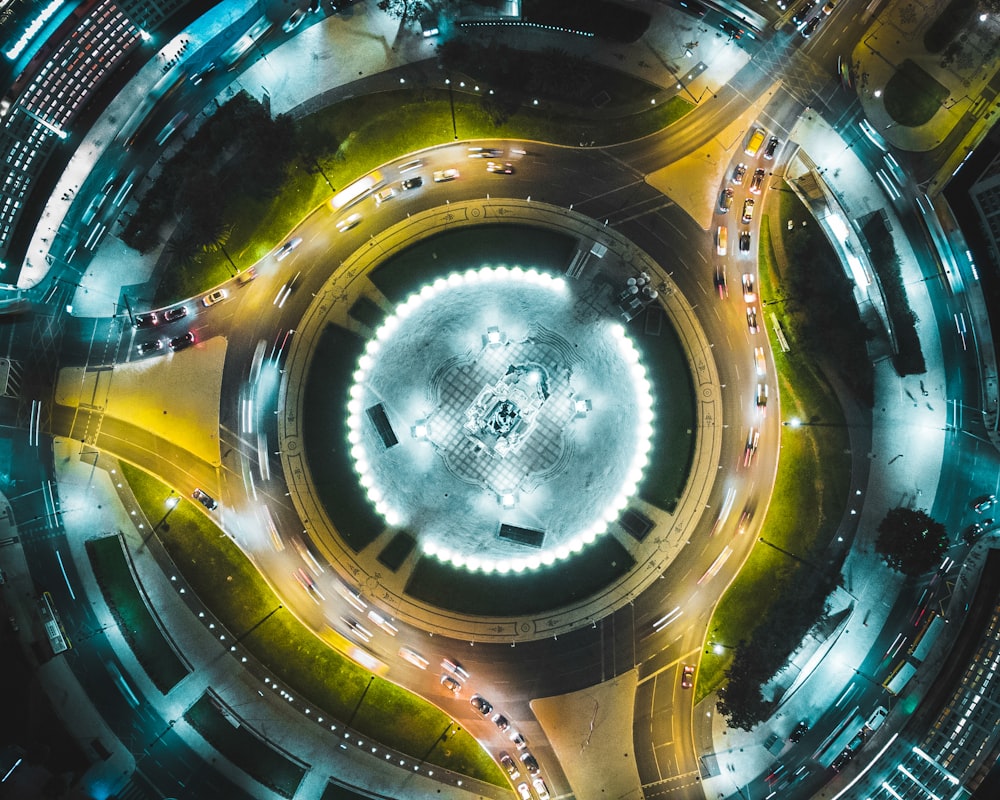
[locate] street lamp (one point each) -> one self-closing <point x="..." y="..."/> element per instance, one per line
<point x="171" y="503"/>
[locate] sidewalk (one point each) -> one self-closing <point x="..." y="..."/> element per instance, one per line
<point x="239" y="685"/>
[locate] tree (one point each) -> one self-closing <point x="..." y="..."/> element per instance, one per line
<point x="910" y="541"/>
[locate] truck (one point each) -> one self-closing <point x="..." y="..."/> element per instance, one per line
<point x="899" y="677"/>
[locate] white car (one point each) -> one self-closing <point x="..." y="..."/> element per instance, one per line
<point x="722" y="240"/>
<point x="413" y="657"/>
<point x="758" y="359"/>
<point x="443" y="175"/>
<point x="386" y="194"/>
<point x="215" y="297"/>
<point x="348" y="222"/>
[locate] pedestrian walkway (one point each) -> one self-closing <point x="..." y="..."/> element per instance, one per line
<point x="964" y="70"/>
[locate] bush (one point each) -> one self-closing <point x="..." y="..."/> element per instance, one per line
<point x="909" y="358"/>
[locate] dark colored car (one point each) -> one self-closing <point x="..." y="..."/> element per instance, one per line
<point x="745" y="241"/>
<point x="149" y="320"/>
<point x="183" y="341"/>
<point x="205" y="499"/>
<point x="481" y="704"/>
<point x="529" y="763"/>
<point x="500" y="167"/>
<point x="509" y="765"/>
<point x="803" y="11"/>
<point x="757" y="180"/>
<point x="149" y="347"/>
<point x="739" y="173"/>
<point x="811" y="26"/>
<point x="412" y="183"/>
<point x="798" y="731"/>
<point x="726" y="200"/>
<point x="687" y="676"/>
<point x="175" y="314"/>
<point x="772" y="147"/>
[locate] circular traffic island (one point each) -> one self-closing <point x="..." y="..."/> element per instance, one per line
<point x="474" y="443"/>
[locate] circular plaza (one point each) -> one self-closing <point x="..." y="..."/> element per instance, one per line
<point x="496" y="441"/>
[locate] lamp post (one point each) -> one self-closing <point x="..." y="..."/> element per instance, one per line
<point x="171" y="503"/>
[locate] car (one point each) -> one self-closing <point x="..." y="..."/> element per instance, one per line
<point x="540" y="789"/>
<point x="745" y="242"/>
<point x="517" y="738"/>
<point x="294" y="20"/>
<point x="726" y="200"/>
<point x="747" y="210"/>
<point x="382" y="622"/>
<point x="772" y="147"/>
<point x="214" y="297"/>
<point x="501" y="721"/>
<point x="200" y="75"/>
<point x="450" y="683"/>
<point x="351" y="595"/>
<point x="149" y="347"/>
<point x="983" y="503"/>
<point x="749" y="293"/>
<point x="205" y="499"/>
<point x="721" y="240"/>
<point x="720" y="282"/>
<point x="798" y="731"/>
<point x="840" y="761"/>
<point x="411" y="165"/>
<point x="247" y="275"/>
<point x="455" y="668"/>
<point x="523" y="791"/>
<point x="758" y="360"/>
<point x="529" y="762"/>
<point x="753" y="439"/>
<point x="739" y="172"/>
<point x="348" y="222"/>
<point x="973" y="532"/>
<point x="775" y="772"/>
<point x="828" y="7"/>
<point x="443" y="175"/>
<point x="757" y="180"/>
<point x="481" y="704"/>
<point x="752" y="319"/>
<point x="484" y="152"/>
<point x="745" y="519"/>
<point x="500" y="167"/>
<point x="183" y="341"/>
<point x="386" y="194"/>
<point x="760" y="398"/>
<point x="357" y="629"/>
<point x="149" y="320"/>
<point x="411" y="183"/>
<point x="734" y="30"/>
<point x="810" y="27"/>
<point x="755" y="141"/>
<point x="174" y="314"/>
<point x="687" y="676"/>
<point x="286" y="249"/>
<point x="413" y="657"/>
<point x="509" y="765"/>
<point x="802" y="12"/>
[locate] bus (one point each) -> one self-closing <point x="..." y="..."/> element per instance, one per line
<point x="357" y="191"/>
<point x="926" y="639"/>
<point x="231" y="58"/>
<point x="53" y="625"/>
<point x="138" y="119"/>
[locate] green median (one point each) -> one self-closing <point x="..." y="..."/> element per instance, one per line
<point x="231" y="589"/>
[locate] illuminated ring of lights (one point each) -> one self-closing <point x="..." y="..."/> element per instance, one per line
<point x="620" y="420"/>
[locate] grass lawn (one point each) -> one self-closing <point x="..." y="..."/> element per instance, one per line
<point x="247" y="751"/>
<point x="227" y="583"/>
<point x="912" y="96"/>
<point x="377" y="128"/>
<point x="809" y="496"/>
<point x="131" y="613"/>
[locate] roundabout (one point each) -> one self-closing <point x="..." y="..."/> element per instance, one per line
<point x="530" y="457"/>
